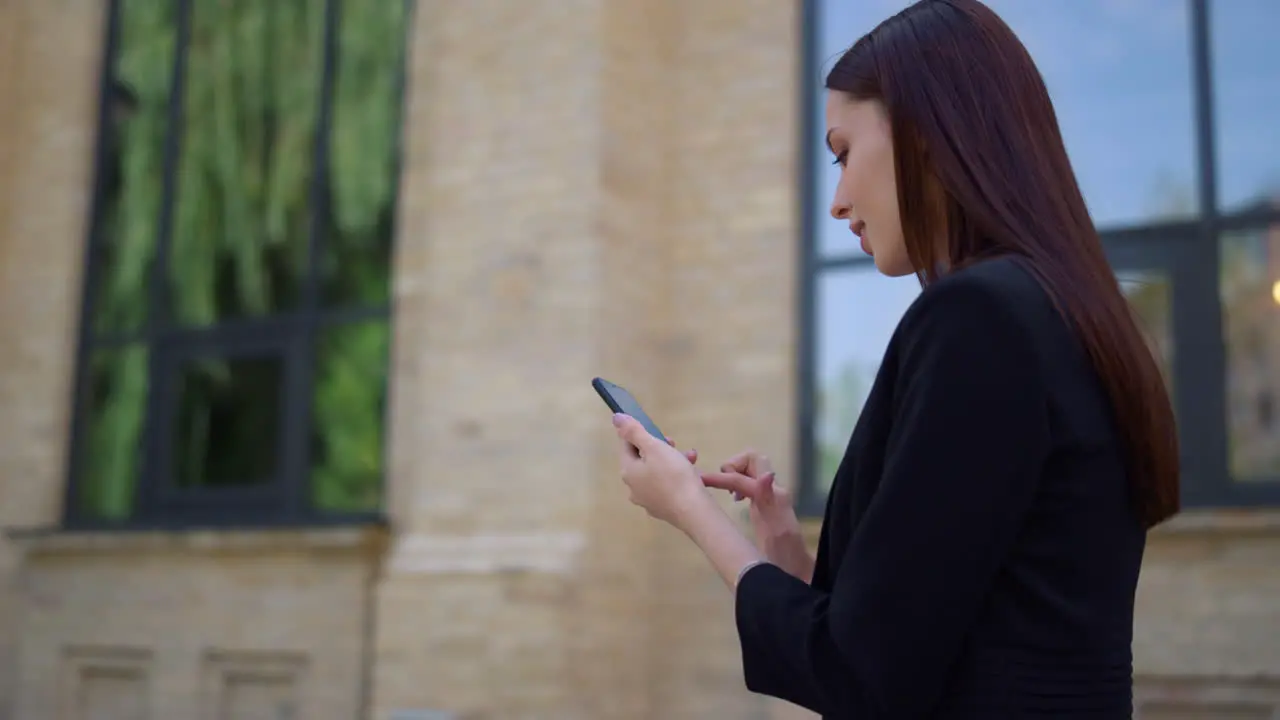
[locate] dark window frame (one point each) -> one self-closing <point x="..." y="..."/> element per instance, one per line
<point x="1188" y="251"/>
<point x="292" y="335"/>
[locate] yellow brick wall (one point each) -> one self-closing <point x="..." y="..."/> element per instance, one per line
<point x="590" y="187"/>
<point x="181" y="624"/>
<point x="610" y="223"/>
<point x="49" y="53"/>
<point x="1207" y="631"/>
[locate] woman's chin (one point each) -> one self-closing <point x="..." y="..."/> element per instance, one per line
<point x="887" y="267"/>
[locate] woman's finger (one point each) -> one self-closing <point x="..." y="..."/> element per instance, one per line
<point x="740" y="485"/>
<point x="749" y="463"/>
<point x="766" y="484"/>
<point x="738" y="463"/>
<point x="691" y="454"/>
<point x="627" y="451"/>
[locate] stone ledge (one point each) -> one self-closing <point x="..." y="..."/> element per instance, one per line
<point x="487" y="554"/>
<point x="1260" y="522"/>
<point x="56" y="541"/>
<point x="1207" y="695"/>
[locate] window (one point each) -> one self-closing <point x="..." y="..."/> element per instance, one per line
<point x="1166" y="108"/>
<point x="1250" y="292"/>
<point x="1245" y="72"/>
<point x="850" y="340"/>
<point x="235" y="326"/>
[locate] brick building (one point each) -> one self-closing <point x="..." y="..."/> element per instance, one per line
<point x="422" y="515"/>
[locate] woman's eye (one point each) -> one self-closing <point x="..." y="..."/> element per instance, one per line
<point x="840" y="159"/>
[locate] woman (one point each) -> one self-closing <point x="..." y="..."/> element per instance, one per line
<point x="984" y="531"/>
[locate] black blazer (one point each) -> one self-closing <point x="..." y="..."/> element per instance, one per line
<point x="979" y="553"/>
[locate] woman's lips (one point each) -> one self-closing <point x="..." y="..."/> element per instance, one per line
<point x="859" y="228"/>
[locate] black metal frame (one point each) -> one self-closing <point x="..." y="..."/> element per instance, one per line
<point x="1186" y="251"/>
<point x="291" y="336"/>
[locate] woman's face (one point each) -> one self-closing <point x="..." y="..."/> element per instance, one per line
<point x="859" y="135"/>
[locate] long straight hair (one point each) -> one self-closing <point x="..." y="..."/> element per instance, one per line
<point x="980" y="161"/>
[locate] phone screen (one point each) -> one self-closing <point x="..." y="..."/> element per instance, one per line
<point x="621" y="401"/>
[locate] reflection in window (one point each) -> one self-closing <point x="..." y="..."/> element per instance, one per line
<point x="254" y="187"/>
<point x="364" y="144"/>
<point x="349" y="407"/>
<point x="244" y="207"/>
<point x="857" y="311"/>
<point x="1150" y="295"/>
<point x="241" y="219"/>
<point x="1246" y="86"/>
<point x="114" y="414"/>
<point x="133" y="161"/>
<point x="228" y="422"/>
<point x="1120" y="77"/>
<point x="1250" y="286"/>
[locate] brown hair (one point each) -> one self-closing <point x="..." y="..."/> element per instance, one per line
<point x="971" y="117"/>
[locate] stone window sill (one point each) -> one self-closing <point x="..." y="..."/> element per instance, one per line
<point x="356" y="539"/>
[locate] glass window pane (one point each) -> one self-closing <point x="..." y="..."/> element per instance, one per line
<point x="1121" y="80"/>
<point x="1246" y="84"/>
<point x="349" y="416"/>
<point x="839" y="24"/>
<point x="242" y="218"/>
<point x="228" y="425"/>
<point x="110" y="448"/>
<point x="1151" y="295"/>
<point x="1120" y="77"/>
<point x="857" y="312"/>
<point x="1250" y="287"/>
<point x="133" y="156"/>
<point x="356" y="259"/>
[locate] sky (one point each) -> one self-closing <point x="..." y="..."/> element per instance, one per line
<point x="1119" y="73"/>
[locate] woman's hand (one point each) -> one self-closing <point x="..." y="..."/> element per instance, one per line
<point x="749" y="475"/>
<point x="662" y="480"/>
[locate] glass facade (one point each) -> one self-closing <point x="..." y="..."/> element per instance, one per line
<point x="1168" y="111"/>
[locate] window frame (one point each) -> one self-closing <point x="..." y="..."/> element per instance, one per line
<point x="1188" y="250"/>
<point x="292" y="335"/>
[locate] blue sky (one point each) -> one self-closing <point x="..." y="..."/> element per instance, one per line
<point x="1119" y="72"/>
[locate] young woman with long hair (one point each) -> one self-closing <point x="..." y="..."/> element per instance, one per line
<point x="984" y="532"/>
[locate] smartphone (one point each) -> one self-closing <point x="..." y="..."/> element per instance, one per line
<point x="621" y="401"/>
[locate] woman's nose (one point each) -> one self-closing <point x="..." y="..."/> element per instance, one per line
<point x="841" y="210"/>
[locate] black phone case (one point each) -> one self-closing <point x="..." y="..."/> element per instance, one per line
<point x="603" y="389"/>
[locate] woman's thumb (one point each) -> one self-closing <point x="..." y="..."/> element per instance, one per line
<point x="632" y="431"/>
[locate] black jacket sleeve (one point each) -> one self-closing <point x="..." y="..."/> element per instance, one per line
<point x="969" y="437"/>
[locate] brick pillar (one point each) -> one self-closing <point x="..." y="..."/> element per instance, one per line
<point x="50" y="55"/>
<point x="527" y="264"/>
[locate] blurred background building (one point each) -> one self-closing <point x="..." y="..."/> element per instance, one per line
<point x="300" y="302"/>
